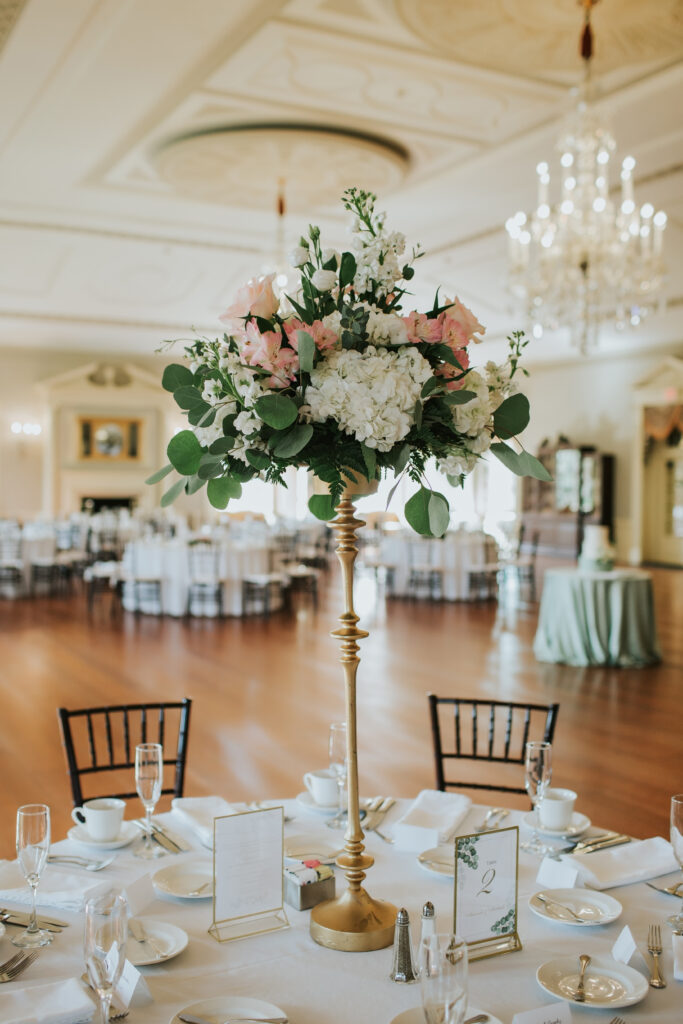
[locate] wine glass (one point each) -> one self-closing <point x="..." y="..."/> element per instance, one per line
<point x="443" y="978"/>
<point x="149" y="771"/>
<point x="33" y="845"/>
<point x="538" y="770"/>
<point x="340" y="766"/>
<point x="676" y="920"/>
<point x="104" y="945"/>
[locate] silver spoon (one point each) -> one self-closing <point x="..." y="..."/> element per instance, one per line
<point x="580" y="994"/>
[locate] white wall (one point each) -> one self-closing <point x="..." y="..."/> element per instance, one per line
<point x="591" y="401"/>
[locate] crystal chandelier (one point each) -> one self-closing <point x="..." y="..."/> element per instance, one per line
<point x="589" y="257"/>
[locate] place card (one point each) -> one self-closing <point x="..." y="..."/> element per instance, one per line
<point x="625" y="946"/>
<point x="553" y="1013"/>
<point x="248" y="887"/>
<point x="556" y="874"/>
<point x="139" y="894"/>
<point x="485" y="892"/>
<point x="131" y="989"/>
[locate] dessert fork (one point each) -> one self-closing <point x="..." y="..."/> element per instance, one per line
<point x="19" y="967"/>
<point x="654" y="948"/>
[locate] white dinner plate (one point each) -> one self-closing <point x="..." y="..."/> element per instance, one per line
<point x="440" y="860"/>
<point x="576" y="827"/>
<point x="591" y="906"/>
<point x="184" y="880"/>
<point x="229" y="1006"/>
<point x="2" y="929"/>
<point x="311" y="847"/>
<point x="306" y="801"/>
<point x="129" y="831"/>
<point x="608" y="984"/>
<point x="165" y="937"/>
<point x="416" y="1016"/>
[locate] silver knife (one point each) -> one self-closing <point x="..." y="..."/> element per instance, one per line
<point x="189" y="1018"/>
<point x="159" y="837"/>
<point x="158" y="831"/>
<point x="596" y="847"/>
<point x="23" y="921"/>
<point x="581" y="844"/>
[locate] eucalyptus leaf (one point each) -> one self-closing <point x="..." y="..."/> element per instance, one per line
<point x="258" y="459"/>
<point x="211" y="466"/>
<point x="220" y="491"/>
<point x="511" y="416"/>
<point x="222" y="445"/>
<point x="400" y="460"/>
<point x="201" y="415"/>
<point x="169" y="496"/>
<point x="458" y="397"/>
<point x="194" y="484"/>
<point x="417" y="512"/>
<point x="370" y="460"/>
<point x="277" y="411"/>
<point x="176" y="376"/>
<point x="293" y="441"/>
<point x="187" y="396"/>
<point x="505" y="454"/>
<point x="159" y="475"/>
<point x="321" y="506"/>
<point x="305" y="350"/>
<point x="439" y="514"/>
<point x="184" y="452"/>
<point x="531" y="466"/>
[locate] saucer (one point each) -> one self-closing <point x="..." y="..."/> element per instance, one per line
<point x="128" y="833"/>
<point x="223" y="1007"/>
<point x="608" y="984"/>
<point x="184" y="880"/>
<point x="416" y="1016"/>
<point x="306" y="801"/>
<point x="576" y="827"/>
<point x="440" y="860"/>
<point x="311" y="847"/>
<point x="591" y="906"/>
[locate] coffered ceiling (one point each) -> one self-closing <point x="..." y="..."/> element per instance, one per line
<point x="142" y="143"/>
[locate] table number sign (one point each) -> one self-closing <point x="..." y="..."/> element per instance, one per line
<point x="485" y="910"/>
<point x="248" y="886"/>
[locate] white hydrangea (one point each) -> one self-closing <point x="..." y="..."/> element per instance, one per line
<point x="473" y="416"/>
<point x="333" y="322"/>
<point x="460" y="462"/>
<point x="386" y="328"/>
<point x="370" y="394"/>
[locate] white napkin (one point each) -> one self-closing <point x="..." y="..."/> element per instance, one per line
<point x="678" y="956"/>
<point x="198" y="813"/>
<point x="431" y="819"/>
<point x="60" y="1002"/>
<point x="620" y="865"/>
<point x="58" y="888"/>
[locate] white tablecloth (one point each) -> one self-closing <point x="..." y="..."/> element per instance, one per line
<point x="455" y="555"/>
<point x="314" y="985"/>
<point x="169" y="560"/>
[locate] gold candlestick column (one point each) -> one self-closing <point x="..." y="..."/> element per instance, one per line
<point x="354" y="921"/>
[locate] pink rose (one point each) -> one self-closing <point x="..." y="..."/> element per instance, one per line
<point x="420" y="328"/>
<point x="460" y="324"/>
<point x="324" y="337"/>
<point x="257" y="298"/>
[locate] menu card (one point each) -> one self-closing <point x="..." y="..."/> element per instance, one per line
<point x="248" y="893"/>
<point x="485" y="907"/>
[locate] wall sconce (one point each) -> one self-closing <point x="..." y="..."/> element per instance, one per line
<point x="26" y="428"/>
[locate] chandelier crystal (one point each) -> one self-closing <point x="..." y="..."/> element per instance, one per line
<point x="591" y="256"/>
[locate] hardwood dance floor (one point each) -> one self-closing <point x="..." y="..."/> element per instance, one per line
<point x="265" y="692"/>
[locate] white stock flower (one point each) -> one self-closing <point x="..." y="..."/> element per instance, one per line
<point x="324" y="280"/>
<point x="211" y="392"/>
<point x="248" y="423"/>
<point x="207" y="435"/>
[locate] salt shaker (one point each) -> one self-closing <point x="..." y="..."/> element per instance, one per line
<point x="428" y="922"/>
<point x="403" y="968"/>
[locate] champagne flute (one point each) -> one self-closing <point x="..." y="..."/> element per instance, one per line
<point x="104" y="945"/>
<point x="538" y="770"/>
<point x="149" y="772"/>
<point x="443" y="978"/>
<point x="33" y="845"/>
<point x="676" y="920"/>
<point x="340" y="766"/>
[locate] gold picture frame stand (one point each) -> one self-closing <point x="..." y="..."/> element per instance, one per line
<point x="503" y="846"/>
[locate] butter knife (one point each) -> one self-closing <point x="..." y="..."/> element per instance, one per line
<point x="23" y="921"/>
<point x="581" y="844"/>
<point x="596" y="847"/>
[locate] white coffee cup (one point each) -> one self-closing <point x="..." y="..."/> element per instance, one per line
<point x="556" y="808"/>
<point x="102" y="817"/>
<point x="322" y="785"/>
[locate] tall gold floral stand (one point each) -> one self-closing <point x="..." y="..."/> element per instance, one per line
<point x="354" y="921"/>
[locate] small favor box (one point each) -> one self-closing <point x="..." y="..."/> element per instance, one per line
<point x="307" y="883"/>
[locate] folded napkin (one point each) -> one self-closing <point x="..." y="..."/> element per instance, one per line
<point x="198" y="812"/>
<point x="678" y="957"/>
<point x="431" y="819"/>
<point x="620" y="865"/>
<point x="58" y="888"/>
<point x="60" y="1002"/>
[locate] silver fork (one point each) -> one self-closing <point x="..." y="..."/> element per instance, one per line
<point x="380" y="807"/>
<point x="617" y="1020"/>
<point x="654" y="948"/>
<point x="19" y="968"/>
<point x="12" y="961"/>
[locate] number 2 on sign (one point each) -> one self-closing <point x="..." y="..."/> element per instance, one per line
<point x="487" y="880"/>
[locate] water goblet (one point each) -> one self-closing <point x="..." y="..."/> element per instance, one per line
<point x="33" y="845"/>
<point x="149" y="772"/>
<point x="104" y="945"/>
<point x="538" y="772"/>
<point x="339" y="765"/>
<point x="443" y="978"/>
<point x="676" y="920"/>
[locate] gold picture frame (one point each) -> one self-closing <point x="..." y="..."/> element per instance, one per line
<point x="109" y="438"/>
<point x="486" y="884"/>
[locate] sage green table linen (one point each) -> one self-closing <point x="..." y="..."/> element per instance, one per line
<point x="597" y="618"/>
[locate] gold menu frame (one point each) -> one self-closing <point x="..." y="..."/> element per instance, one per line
<point x="482" y="949"/>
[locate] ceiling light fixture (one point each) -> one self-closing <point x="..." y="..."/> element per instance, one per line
<point x="589" y="257"/>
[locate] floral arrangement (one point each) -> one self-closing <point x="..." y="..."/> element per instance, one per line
<point x="339" y="379"/>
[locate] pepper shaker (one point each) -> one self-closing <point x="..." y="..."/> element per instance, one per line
<point x="403" y="968"/>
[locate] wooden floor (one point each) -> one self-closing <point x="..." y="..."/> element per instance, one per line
<point x="265" y="692"/>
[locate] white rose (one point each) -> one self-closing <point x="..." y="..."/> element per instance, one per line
<point x="298" y="256"/>
<point x="324" y="280"/>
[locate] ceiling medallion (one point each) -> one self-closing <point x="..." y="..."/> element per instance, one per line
<point x="243" y="164"/>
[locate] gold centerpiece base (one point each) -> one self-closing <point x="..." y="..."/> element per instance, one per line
<point x="354" y="922"/>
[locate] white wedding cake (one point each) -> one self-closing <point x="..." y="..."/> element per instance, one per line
<point x="597" y="554"/>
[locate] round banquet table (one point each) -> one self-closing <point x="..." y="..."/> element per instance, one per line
<point x="597" y="618"/>
<point x="454" y="555"/>
<point x="315" y="985"/>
